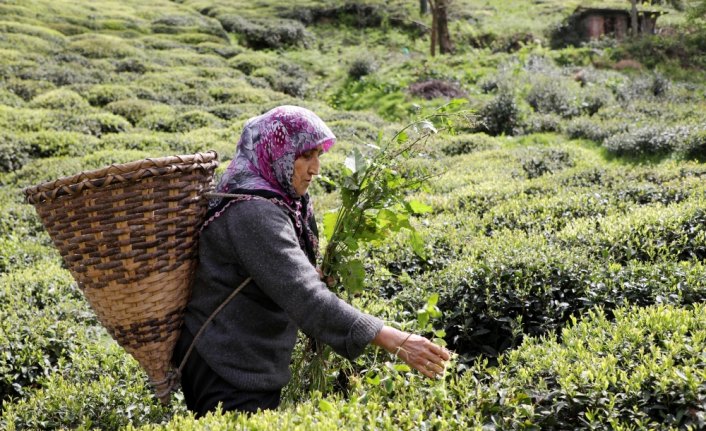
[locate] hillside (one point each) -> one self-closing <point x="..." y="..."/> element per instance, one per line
<point x="562" y="261"/>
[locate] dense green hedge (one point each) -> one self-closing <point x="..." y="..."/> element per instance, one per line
<point x="641" y="368"/>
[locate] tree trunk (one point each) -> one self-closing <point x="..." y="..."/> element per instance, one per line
<point x="442" y="25"/>
<point x="633" y="18"/>
<point x="423" y="7"/>
<point x="434" y="24"/>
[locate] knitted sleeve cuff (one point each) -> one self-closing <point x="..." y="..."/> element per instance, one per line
<point x="364" y="329"/>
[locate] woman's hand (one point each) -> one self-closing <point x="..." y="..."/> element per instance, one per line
<point x="418" y="352"/>
<point x="329" y="280"/>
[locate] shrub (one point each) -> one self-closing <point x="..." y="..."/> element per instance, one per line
<point x="150" y="142"/>
<point x="97" y="124"/>
<point x="647" y="141"/>
<point x="546" y="162"/>
<point x="132" y="110"/>
<point x="225" y="51"/>
<point x="64" y="74"/>
<point x="52" y="168"/>
<point x="467" y="143"/>
<point x="19" y="148"/>
<point x="554" y="95"/>
<point x="60" y="99"/>
<point x="594" y="129"/>
<point x="10" y="99"/>
<point x="227" y="112"/>
<point x="541" y="123"/>
<point x="102" y="46"/>
<point x="103" y="389"/>
<point x="36" y="343"/>
<point x="194" y="120"/>
<point x="159" y="118"/>
<point x="28" y="89"/>
<point x="361" y="67"/>
<point x="501" y="115"/>
<point x="131" y="65"/>
<point x="651" y="233"/>
<point x="694" y="145"/>
<point x="265" y="34"/>
<point x="237" y="92"/>
<point x="101" y="95"/>
<point x="637" y="371"/>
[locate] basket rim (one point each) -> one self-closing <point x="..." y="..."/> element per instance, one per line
<point x="118" y="173"/>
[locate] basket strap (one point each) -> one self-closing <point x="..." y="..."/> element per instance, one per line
<point x="174" y="377"/>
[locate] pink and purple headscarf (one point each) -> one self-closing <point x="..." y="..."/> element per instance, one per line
<point x="268" y="146"/>
<point x="263" y="166"/>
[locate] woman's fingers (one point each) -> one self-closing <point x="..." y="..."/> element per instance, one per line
<point x="424" y="356"/>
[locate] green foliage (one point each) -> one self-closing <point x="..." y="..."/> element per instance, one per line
<point x="59" y="99"/>
<point x="502" y="115"/>
<point x="103" y="389"/>
<point x="102" y="46"/>
<point x="101" y="95"/>
<point x="265" y="34"/>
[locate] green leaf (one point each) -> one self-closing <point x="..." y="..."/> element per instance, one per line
<point x="355" y="162"/>
<point x="418" y="245"/>
<point x="402" y="137"/>
<point x="418" y="207"/>
<point x="422" y="318"/>
<point x="325" y="406"/>
<point x="353" y="276"/>
<point x="402" y="368"/>
<point x="330" y="224"/>
<point x="433" y="300"/>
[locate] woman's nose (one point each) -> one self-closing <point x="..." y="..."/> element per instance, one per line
<point x="314" y="166"/>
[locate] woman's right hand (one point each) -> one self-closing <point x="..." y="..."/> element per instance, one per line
<point x="418" y="352"/>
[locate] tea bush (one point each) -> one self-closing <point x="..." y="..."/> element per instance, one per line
<point x="102" y="46"/>
<point x="103" y="389"/>
<point x="8" y="98"/>
<point x="133" y="110"/>
<point x="551" y="95"/>
<point x="265" y="34"/>
<point x="646" y="141"/>
<point x="28" y="89"/>
<point x="194" y="120"/>
<point x="52" y="168"/>
<point x="640" y="369"/>
<point x="101" y="95"/>
<point x="651" y="233"/>
<point x="60" y="99"/>
<point x="502" y="115"/>
<point x="467" y="143"/>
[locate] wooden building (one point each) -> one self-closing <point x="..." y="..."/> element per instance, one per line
<point x="594" y="23"/>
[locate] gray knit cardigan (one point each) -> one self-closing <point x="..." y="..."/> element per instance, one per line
<point x="250" y="342"/>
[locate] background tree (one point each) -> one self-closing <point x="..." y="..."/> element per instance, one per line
<point x="633" y="18"/>
<point x="440" y="27"/>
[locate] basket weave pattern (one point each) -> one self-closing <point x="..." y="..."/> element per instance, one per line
<point x="128" y="234"/>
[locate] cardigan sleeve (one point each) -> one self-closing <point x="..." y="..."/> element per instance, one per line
<point x="265" y="242"/>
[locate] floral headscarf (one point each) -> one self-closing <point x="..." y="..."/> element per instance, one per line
<point x="268" y="146"/>
<point x="263" y="166"/>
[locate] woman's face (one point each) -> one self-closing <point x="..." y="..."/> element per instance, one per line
<point x="305" y="167"/>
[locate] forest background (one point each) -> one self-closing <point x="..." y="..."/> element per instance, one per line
<point x="562" y="260"/>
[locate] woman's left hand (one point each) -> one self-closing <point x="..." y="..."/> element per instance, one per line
<point x="418" y="352"/>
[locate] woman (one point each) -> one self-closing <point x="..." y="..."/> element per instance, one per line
<point x="242" y="357"/>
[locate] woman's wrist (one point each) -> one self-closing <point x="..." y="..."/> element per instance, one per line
<point x="390" y="339"/>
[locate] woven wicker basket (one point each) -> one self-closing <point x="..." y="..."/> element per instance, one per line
<point x="128" y="234"/>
